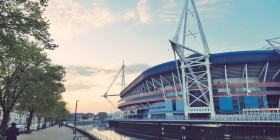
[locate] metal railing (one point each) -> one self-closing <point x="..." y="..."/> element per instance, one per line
<point x="248" y="115"/>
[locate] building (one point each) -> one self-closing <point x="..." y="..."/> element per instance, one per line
<point x="230" y="95"/>
<point x="240" y="80"/>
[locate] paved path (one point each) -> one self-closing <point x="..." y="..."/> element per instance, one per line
<point x="53" y="133"/>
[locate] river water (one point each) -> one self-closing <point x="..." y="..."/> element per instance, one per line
<point x="101" y="131"/>
<point x="105" y="133"/>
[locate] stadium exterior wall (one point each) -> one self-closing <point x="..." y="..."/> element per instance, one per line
<point x="156" y="93"/>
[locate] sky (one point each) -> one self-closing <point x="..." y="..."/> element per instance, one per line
<point x="96" y="36"/>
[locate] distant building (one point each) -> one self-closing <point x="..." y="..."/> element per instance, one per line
<point x="90" y="116"/>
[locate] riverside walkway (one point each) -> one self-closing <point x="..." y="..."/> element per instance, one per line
<point x="53" y="133"/>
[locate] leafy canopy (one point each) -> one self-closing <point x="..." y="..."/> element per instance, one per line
<point x="24" y="19"/>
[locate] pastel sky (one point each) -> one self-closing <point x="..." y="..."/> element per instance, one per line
<point x="95" y="36"/>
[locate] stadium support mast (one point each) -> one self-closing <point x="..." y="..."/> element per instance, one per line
<point x="106" y="95"/>
<point x="195" y="69"/>
<point x="274" y="43"/>
<point x="121" y="71"/>
<point x="123" y="77"/>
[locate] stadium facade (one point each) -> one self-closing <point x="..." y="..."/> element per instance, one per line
<point x="241" y="80"/>
<point x="230" y="95"/>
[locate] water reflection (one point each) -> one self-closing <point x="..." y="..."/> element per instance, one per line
<point x="103" y="132"/>
<point x="108" y="134"/>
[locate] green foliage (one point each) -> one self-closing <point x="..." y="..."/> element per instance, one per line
<point x="43" y="92"/>
<point x="26" y="73"/>
<point x="17" y="60"/>
<point x="43" y="85"/>
<point x="102" y="115"/>
<point x="28" y="80"/>
<point x="24" y="19"/>
<point x="85" y="117"/>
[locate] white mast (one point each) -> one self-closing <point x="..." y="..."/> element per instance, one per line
<point x="122" y="85"/>
<point x="196" y="76"/>
<point x="274" y="43"/>
<point x="123" y="77"/>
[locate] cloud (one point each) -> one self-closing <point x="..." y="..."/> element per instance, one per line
<point x="83" y="77"/>
<point x="88" y="71"/>
<point x="78" y="85"/>
<point x="213" y="8"/>
<point x="205" y="2"/>
<point x="143" y="11"/>
<point x="87" y="77"/>
<point x="169" y="11"/>
<point x="81" y="70"/>
<point x="137" y="68"/>
<point x="101" y="15"/>
<point x="68" y="17"/>
<point x="129" y="15"/>
<point x="131" y="72"/>
<point x="78" y="77"/>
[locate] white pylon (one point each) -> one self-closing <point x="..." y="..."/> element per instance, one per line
<point x="195" y="69"/>
<point x="121" y="71"/>
<point x="274" y="43"/>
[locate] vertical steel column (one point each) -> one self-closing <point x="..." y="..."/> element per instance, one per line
<point x="203" y="38"/>
<point x="176" y="37"/>
<point x="184" y="94"/>
<point x="183" y="67"/>
<point x="246" y="74"/>
<point x="210" y="90"/>
<point x="123" y="77"/>
<point x="226" y="79"/>
<point x="185" y="23"/>
<point x="162" y="87"/>
<point x="176" y="92"/>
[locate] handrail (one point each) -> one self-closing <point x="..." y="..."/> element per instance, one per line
<point x="262" y="115"/>
<point x="88" y="135"/>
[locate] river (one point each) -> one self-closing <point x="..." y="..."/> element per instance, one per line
<point x="103" y="132"/>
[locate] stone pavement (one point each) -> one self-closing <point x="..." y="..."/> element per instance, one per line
<point x="53" y="133"/>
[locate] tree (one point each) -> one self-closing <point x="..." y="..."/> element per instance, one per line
<point x="85" y="116"/>
<point x="22" y="29"/>
<point x="16" y="62"/>
<point x="24" y="19"/>
<point x="44" y="88"/>
<point x="102" y="115"/>
<point x="56" y="112"/>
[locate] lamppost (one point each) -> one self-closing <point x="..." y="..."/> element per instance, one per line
<point x="74" y="128"/>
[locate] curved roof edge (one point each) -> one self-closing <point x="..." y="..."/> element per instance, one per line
<point x="254" y="56"/>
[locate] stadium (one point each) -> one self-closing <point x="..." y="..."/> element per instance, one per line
<point x="204" y="85"/>
<point x="203" y="95"/>
<point x="240" y="80"/>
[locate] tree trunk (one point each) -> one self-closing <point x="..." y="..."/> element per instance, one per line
<point x="29" y="121"/>
<point x="5" y="121"/>
<point x="39" y="121"/>
<point x="45" y="122"/>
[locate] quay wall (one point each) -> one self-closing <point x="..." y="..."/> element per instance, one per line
<point x="162" y="129"/>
